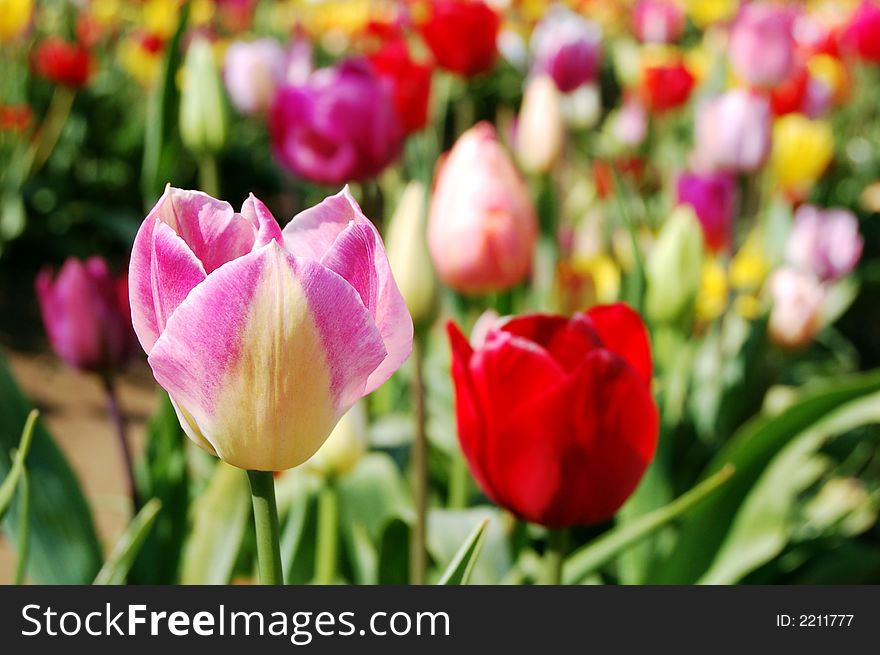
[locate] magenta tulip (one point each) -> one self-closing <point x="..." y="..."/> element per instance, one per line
<point x="565" y="46"/>
<point x="341" y="125"/>
<point x="482" y="226"/>
<point x="264" y="338"/>
<point x="733" y="132"/>
<point x="714" y="199"/>
<point x="85" y="314"/>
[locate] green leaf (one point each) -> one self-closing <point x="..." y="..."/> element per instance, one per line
<point x="220" y="517"/>
<point x="393" y="547"/>
<point x="602" y="550"/>
<point x="121" y="559"/>
<point x="462" y="565"/>
<point x="449" y="528"/>
<point x="763" y="524"/>
<point x="64" y="547"/>
<point x="373" y="493"/>
<point x="24" y="527"/>
<point x="750" y="451"/>
<point x="7" y="489"/>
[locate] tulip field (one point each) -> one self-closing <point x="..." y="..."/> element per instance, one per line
<point x="439" y="292"/>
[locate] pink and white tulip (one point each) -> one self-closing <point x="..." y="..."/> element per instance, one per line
<point x="482" y="227"/>
<point x="733" y="132"/>
<point x="264" y="338"/>
<point x="796" y="317"/>
<point x="825" y="242"/>
<point x="762" y="46"/>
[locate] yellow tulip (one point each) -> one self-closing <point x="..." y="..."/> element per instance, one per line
<point x="802" y="150"/>
<point x="15" y="15"/>
<point x="708" y="12"/>
<point x="712" y="296"/>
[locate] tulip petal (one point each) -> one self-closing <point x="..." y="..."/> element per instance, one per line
<point x="259" y="215"/>
<point x="567" y="340"/>
<point x="336" y="233"/>
<point x="622" y="332"/>
<point x="265" y="356"/>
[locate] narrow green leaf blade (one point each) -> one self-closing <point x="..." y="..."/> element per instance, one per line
<point x="7" y="489"/>
<point x="462" y="565"/>
<point x="602" y="550"/>
<point x="121" y="559"/>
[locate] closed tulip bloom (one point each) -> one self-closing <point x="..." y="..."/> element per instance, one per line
<point x="410" y="80"/>
<point x="61" y="62"/>
<point x="666" y="86"/>
<point x="825" y="242"/>
<point x="340" y="125"/>
<point x="555" y="415"/>
<point x="802" y="150"/>
<point x="714" y="198"/>
<point x="408" y="254"/>
<point x="462" y="35"/>
<point x="797" y="298"/>
<point x="15" y="16"/>
<point x="252" y="72"/>
<point x="263" y="338"/>
<point x="86" y="316"/>
<point x="762" y="47"/>
<point x="482" y="227"/>
<point x="674" y="268"/>
<point x="566" y="47"/>
<point x="204" y="123"/>
<point x="862" y="35"/>
<point x="733" y="132"/>
<point x="540" y="132"/>
<point x="345" y="446"/>
<point x="658" y="21"/>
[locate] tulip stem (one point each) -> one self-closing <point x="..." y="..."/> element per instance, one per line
<point x="554" y="556"/>
<point x="328" y="535"/>
<point x="418" y="557"/>
<point x="118" y="421"/>
<point x="209" y="177"/>
<point x="458" y="482"/>
<point x="266" y="520"/>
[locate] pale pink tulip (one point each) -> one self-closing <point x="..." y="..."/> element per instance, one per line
<point x="733" y="132"/>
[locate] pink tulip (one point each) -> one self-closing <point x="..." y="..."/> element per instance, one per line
<point x="252" y="72"/>
<point x="264" y="338"/>
<point x="733" y="132"/>
<point x="85" y="314"/>
<point x="482" y="226"/>
<point x="797" y="307"/>
<point x="714" y="199"/>
<point x="825" y="242"/>
<point x="762" y="47"/>
<point x="658" y="21"/>
<point x="630" y="125"/>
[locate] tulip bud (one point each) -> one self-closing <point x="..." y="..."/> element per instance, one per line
<point x="675" y="268"/>
<point x="539" y="131"/>
<point x="797" y="305"/>
<point x="345" y="446"/>
<point x="824" y="242"/>
<point x="482" y="227"/>
<point x="733" y="132"/>
<point x="86" y="315"/>
<point x="252" y="72"/>
<point x="714" y="199"/>
<point x="802" y="150"/>
<point x="203" y="118"/>
<point x="407" y="248"/>
<point x="762" y="47"/>
<point x="15" y="16"/>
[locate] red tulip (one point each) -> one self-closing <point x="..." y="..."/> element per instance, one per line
<point x="555" y="415"/>
<point x="410" y="81"/>
<point x="462" y="35"/>
<point x="59" y="61"/>
<point x="667" y="87"/>
<point x="862" y="34"/>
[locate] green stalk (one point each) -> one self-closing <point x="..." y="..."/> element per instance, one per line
<point x="266" y="520"/>
<point x="458" y="482"/>
<point x="554" y="557"/>
<point x="417" y="555"/>
<point x="326" y="556"/>
<point x="209" y="177"/>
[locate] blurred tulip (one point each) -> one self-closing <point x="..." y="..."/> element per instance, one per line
<point x="582" y="108"/>
<point x="15" y="17"/>
<point x="790" y="95"/>
<point x="666" y="86"/>
<point x="674" y="268"/>
<point x="264" y="338"/>
<point x="410" y="81"/>
<point x="658" y="21"/>
<point x="555" y="415"/>
<point x="340" y="125"/>
<point x="713" y="197"/>
<point x="566" y="47"/>
<point x="630" y="125"/>
<point x="797" y="307"/>
<point x="61" y="62"/>
<point x="802" y="150"/>
<point x="204" y="123"/>
<point x="539" y="131"/>
<point x="825" y="242"/>
<point x="15" y="118"/>
<point x="762" y="48"/>
<point x="733" y="132"/>
<point x="86" y="316"/>
<point x="462" y="35"/>
<point x="705" y="13"/>
<point x="482" y="226"/>
<point x="345" y="446"/>
<point x="408" y="255"/>
<point x="862" y="34"/>
<point x="252" y="72"/>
